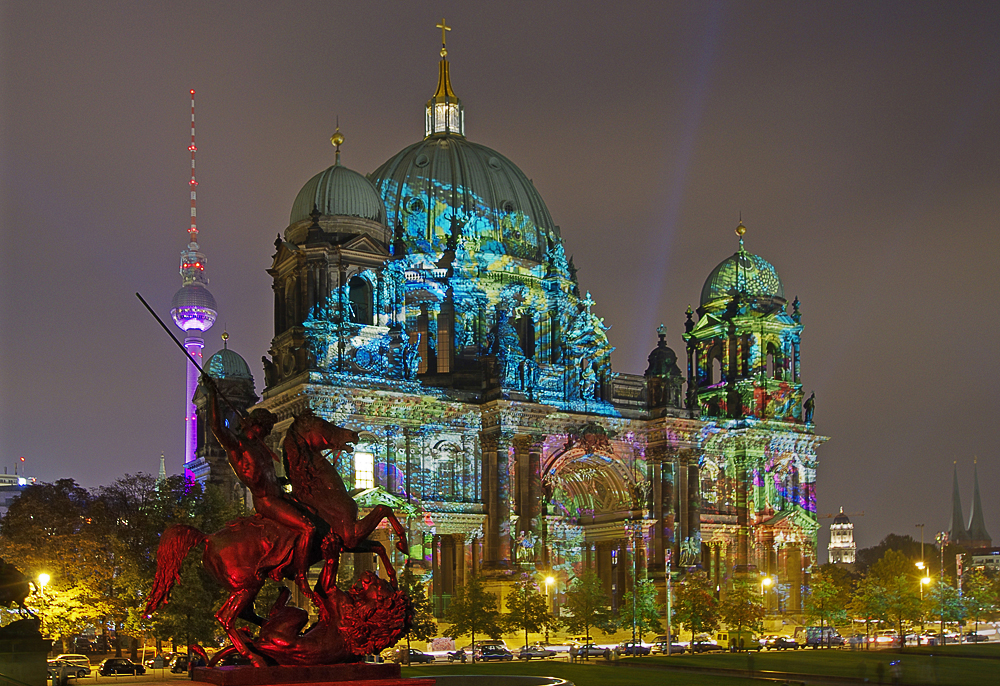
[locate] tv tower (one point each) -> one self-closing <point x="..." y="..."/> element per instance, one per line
<point x="193" y="311"/>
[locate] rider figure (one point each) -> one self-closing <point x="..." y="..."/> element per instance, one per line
<point x="252" y="460"/>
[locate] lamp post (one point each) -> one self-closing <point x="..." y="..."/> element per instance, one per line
<point x="924" y="580"/>
<point x="549" y="580"/>
<point x="43" y="579"/>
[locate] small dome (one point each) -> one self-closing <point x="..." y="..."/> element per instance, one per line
<point x="338" y="191"/>
<point x="193" y="307"/>
<point x="841" y="518"/>
<point x="226" y="364"/>
<point x="663" y="360"/>
<point x="745" y="273"/>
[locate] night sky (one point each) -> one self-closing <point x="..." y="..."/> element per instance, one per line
<point x="859" y="142"/>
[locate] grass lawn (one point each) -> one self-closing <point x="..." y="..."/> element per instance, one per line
<point x="945" y="667"/>
<point x="579" y="674"/>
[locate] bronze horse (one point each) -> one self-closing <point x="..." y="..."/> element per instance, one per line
<point x="248" y="550"/>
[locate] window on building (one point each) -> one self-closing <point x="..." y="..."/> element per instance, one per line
<point x="360" y="295"/>
<point x="364" y="469"/>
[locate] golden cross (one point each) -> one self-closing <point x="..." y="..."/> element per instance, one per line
<point x="444" y="27"/>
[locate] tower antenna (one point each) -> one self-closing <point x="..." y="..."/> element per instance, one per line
<point x="193" y="231"/>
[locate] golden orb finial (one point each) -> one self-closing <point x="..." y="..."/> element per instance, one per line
<point x="225" y="340"/>
<point x="740" y="229"/>
<point x="337" y="139"/>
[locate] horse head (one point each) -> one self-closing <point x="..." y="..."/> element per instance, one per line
<point x="320" y="434"/>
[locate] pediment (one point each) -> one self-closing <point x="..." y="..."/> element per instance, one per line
<point x="366" y="244"/>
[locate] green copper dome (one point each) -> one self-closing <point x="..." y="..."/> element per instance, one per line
<point x="446" y="177"/>
<point x="745" y="273"/>
<point x="338" y="191"/>
<point x="226" y="364"/>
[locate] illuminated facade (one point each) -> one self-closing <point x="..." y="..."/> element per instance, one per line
<point x="431" y="307"/>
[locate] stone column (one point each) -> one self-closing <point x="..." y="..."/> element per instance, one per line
<point x="496" y="497"/>
<point x="794" y="567"/>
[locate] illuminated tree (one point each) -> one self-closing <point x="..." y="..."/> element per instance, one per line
<point x="647" y="610"/>
<point x="825" y="602"/>
<point x="589" y="605"/>
<point x="424" y="626"/>
<point x="695" y="605"/>
<point x="980" y="594"/>
<point x="473" y="610"/>
<point x="527" y="607"/>
<point x="901" y="594"/>
<point x="869" y="603"/>
<point x="743" y="606"/>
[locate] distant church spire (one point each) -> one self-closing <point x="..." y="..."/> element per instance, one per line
<point x="957" y="526"/>
<point x="444" y="113"/>
<point x="977" y="527"/>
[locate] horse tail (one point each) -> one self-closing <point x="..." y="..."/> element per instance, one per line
<point x="175" y="544"/>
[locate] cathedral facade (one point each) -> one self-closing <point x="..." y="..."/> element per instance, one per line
<point x="431" y="307"/>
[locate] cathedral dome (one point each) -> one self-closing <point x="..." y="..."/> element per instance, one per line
<point x="445" y="176"/>
<point x="226" y="364"/>
<point x="745" y="273"/>
<point x="338" y="191"/>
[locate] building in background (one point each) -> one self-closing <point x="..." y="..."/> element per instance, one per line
<point x="842" y="549"/>
<point x="431" y="307"/>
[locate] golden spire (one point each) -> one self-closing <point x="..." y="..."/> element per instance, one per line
<point x="337" y="139"/>
<point x="740" y="230"/>
<point x="444" y="109"/>
<point x="225" y="340"/>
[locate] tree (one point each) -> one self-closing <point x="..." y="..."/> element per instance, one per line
<point x="424" y="626"/>
<point x="527" y="607"/>
<point x="588" y="604"/>
<point x="743" y="606"/>
<point x="825" y="602"/>
<point x="695" y="604"/>
<point x="473" y="610"/>
<point x="901" y="593"/>
<point x="868" y="603"/>
<point x="980" y="593"/>
<point x="647" y="610"/>
<point x="910" y="548"/>
<point x="945" y="602"/>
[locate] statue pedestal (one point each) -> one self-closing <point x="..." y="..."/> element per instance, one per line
<point x="25" y="659"/>
<point x="313" y="675"/>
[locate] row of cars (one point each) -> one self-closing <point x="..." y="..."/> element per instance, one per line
<point x="77" y="666"/>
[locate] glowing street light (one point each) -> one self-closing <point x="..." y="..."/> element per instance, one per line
<point x="549" y="580"/>
<point x="765" y="583"/>
<point x="924" y="581"/>
<point x="43" y="579"/>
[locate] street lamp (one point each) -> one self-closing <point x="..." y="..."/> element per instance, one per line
<point x="764" y="583"/>
<point x="43" y="579"/>
<point x="549" y="580"/>
<point x="924" y="581"/>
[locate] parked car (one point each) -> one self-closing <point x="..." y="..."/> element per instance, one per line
<point x="75" y="659"/>
<point x="56" y="668"/>
<point x="973" y="637"/>
<point x="417" y="657"/>
<point x="591" y="650"/>
<point x="159" y="661"/>
<point x="664" y="648"/>
<point x="706" y="647"/>
<point x="536" y="650"/>
<point x="83" y="644"/>
<point x="458" y="655"/>
<point x="120" y="665"/>
<point x="630" y="648"/>
<point x="179" y="664"/>
<point x="781" y="643"/>
<point x="494" y="652"/>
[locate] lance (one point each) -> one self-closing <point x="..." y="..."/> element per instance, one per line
<point x="207" y="377"/>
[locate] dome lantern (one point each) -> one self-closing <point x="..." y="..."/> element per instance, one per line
<point x="444" y="113"/>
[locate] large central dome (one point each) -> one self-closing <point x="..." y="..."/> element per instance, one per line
<point x="446" y="178"/>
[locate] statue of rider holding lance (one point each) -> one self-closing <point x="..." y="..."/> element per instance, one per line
<point x="253" y="461"/>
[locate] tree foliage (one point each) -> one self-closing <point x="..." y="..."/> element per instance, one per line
<point x="743" y="606"/>
<point x="895" y="575"/>
<point x="695" y="605"/>
<point x="424" y="626"/>
<point x="474" y="610"/>
<point x="825" y="602"/>
<point x="527" y="608"/>
<point x="589" y="605"/>
<point x="648" y="610"/>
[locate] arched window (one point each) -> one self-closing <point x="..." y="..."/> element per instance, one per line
<point x="360" y="295"/>
<point x="774" y="362"/>
<point x="714" y="364"/>
<point x="526" y="335"/>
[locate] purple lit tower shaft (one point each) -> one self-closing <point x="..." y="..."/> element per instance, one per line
<point x="193" y="311"/>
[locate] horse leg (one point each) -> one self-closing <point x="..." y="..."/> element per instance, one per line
<point x="369" y="546"/>
<point x="233" y="608"/>
<point x="363" y="527"/>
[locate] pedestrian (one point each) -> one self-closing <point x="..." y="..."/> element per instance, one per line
<point x="572" y="653"/>
<point x="896" y="671"/>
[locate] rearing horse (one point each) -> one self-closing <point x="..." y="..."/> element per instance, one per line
<point x="316" y="483"/>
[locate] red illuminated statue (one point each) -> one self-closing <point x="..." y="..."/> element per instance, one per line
<point x="274" y="543"/>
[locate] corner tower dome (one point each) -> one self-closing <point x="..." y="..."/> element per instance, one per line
<point x="743" y="273"/>
<point x="445" y="182"/>
<point x="338" y="191"/>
